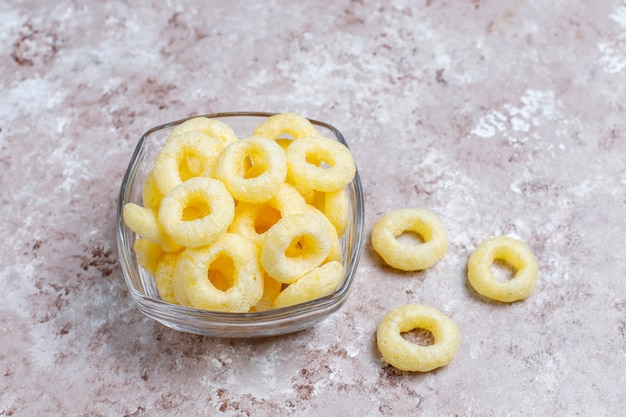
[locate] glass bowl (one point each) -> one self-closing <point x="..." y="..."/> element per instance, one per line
<point x="219" y="324"/>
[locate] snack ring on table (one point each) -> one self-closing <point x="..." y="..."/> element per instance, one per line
<point x="263" y="180"/>
<point x="210" y="127"/>
<point x="144" y="222"/>
<point x="244" y="274"/>
<point x="253" y="220"/>
<point x="410" y="257"/>
<point x="164" y="275"/>
<point x="320" y="163"/>
<point x="285" y="123"/>
<point x="514" y="253"/>
<point x="294" y="246"/>
<point x="213" y="209"/>
<point x="318" y="283"/>
<point x="407" y="356"/>
<point x="188" y="155"/>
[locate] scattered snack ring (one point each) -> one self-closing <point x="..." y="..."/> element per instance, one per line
<point x="206" y="196"/>
<point x="320" y="163"/>
<point x="511" y="251"/>
<point x="270" y="169"/>
<point x="407" y="356"/>
<point x="294" y="246"/>
<point x="246" y="281"/>
<point x="406" y="256"/>
<point x="318" y="283"/>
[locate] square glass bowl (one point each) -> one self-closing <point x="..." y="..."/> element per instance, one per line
<point x="219" y="324"/>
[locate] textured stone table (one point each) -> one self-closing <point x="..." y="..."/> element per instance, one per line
<point x="504" y="117"/>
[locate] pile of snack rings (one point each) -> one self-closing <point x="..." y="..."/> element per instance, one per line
<point x="260" y="216"/>
<point x="398" y="351"/>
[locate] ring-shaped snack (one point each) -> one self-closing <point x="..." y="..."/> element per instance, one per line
<point x="145" y="223"/>
<point x="164" y="276"/>
<point x="270" y="169"/>
<point x="150" y="194"/>
<point x="408" y="256"/>
<point x="210" y="127"/>
<point x="294" y="246"/>
<point x="188" y="155"/>
<point x="511" y="251"/>
<point x="335" y="206"/>
<point x="246" y="282"/>
<point x="320" y="163"/>
<point x="148" y="254"/>
<point x="407" y="356"/>
<point x="254" y="220"/>
<point x="271" y="289"/>
<point x="335" y="253"/>
<point x="318" y="283"/>
<point x="208" y="198"/>
<point x="285" y="123"/>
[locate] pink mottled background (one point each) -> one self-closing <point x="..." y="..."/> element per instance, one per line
<point x="504" y="117"/>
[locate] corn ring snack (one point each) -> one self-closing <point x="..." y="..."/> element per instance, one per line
<point x="320" y="163"/>
<point x="335" y="253"/>
<point x="407" y="356"/>
<point x="191" y="154"/>
<point x="270" y="169"/>
<point x="513" y="252"/>
<point x="253" y="220"/>
<point x="335" y="206"/>
<point x="164" y="275"/>
<point x="245" y="279"/>
<point x="209" y="199"/>
<point x="210" y="127"/>
<point x="318" y="283"/>
<point x="148" y="254"/>
<point x="285" y="123"/>
<point x="294" y="246"/>
<point x="150" y="194"/>
<point x="144" y="222"/>
<point x="410" y="257"/>
<point x="271" y="289"/>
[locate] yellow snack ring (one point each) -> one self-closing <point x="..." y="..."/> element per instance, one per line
<point x="318" y="283"/>
<point x="206" y="196"/>
<point x="210" y="127"/>
<point x="285" y="123"/>
<point x="335" y="206"/>
<point x="253" y="220"/>
<point x="410" y="257"/>
<point x="271" y="289"/>
<point x="408" y="356"/>
<point x="144" y="222"/>
<point x="148" y="254"/>
<point x="511" y="251"/>
<point x="320" y="163"/>
<point x="294" y="246"/>
<point x="246" y="290"/>
<point x="270" y="169"/>
<point x="335" y="253"/>
<point x="191" y="154"/>
<point x="164" y="275"/>
<point x="150" y="194"/>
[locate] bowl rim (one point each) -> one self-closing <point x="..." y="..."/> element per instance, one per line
<point x="321" y="307"/>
